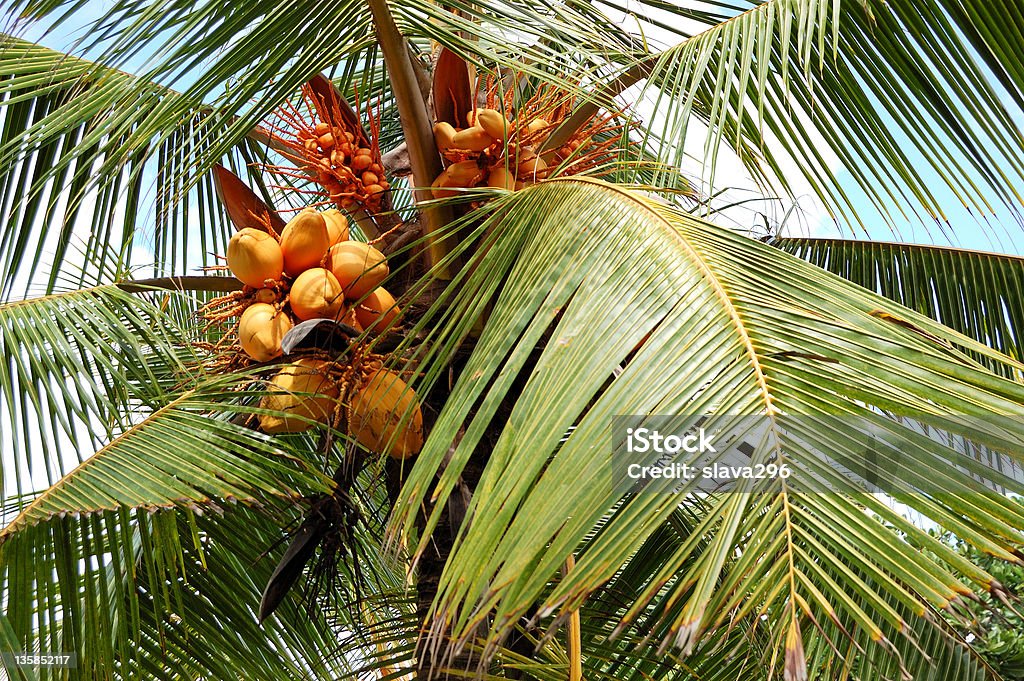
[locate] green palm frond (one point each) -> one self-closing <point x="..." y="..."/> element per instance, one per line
<point x="596" y="301"/>
<point x="734" y="329"/>
<point x="75" y="154"/>
<point x="800" y="81"/>
<point x="863" y="81"/>
<point x="161" y="455"/>
<point x="75" y="368"/>
<point x="977" y="294"/>
<point x="176" y="598"/>
<point x="742" y="73"/>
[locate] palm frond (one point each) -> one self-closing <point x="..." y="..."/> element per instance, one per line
<point x="75" y="367"/>
<point x="74" y="156"/>
<point x="169" y="594"/>
<point x="733" y="329"/>
<point x="977" y="294"/>
<point x="873" y="84"/>
<point x="830" y="85"/>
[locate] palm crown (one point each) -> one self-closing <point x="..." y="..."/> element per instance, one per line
<point x="537" y="305"/>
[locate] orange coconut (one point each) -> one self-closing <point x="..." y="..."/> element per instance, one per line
<point x="267" y="295"/>
<point x="472" y="139"/>
<point x="304" y="242"/>
<point x="531" y="166"/>
<point x="255" y="257"/>
<point x="443" y="134"/>
<point x="461" y="174"/>
<point x="494" y="123"/>
<point x="316" y="293"/>
<point x="501" y="178"/>
<point x="337" y="225"/>
<point x="377" y="308"/>
<point x="385" y="415"/>
<point x="260" y="331"/>
<point x="358" y="267"/>
<point x="288" y="385"/>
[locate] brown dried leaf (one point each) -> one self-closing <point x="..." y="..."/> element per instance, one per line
<point x="244" y="208"/>
<point x="453" y="89"/>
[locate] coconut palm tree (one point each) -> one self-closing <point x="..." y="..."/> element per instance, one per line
<point x="154" y="529"/>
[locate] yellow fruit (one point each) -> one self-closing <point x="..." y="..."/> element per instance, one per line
<point x="358" y="267"/>
<point x="254" y="257"/>
<point x="494" y="123"/>
<point x="302" y="376"/>
<point x="361" y="162"/>
<point x="260" y="331"/>
<point x="472" y="139"/>
<point x="461" y="174"/>
<point x="501" y="178"/>
<point x="337" y="225"/>
<point x="531" y="167"/>
<point x="316" y="293"/>
<point x="471" y="118"/>
<point x="438" y="191"/>
<point x="443" y="134"/>
<point x="536" y="125"/>
<point x="377" y="412"/>
<point x="377" y="308"/>
<point x="304" y="242"/>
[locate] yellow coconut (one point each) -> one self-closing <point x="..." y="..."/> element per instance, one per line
<point x="377" y="308"/>
<point x="461" y="174"/>
<point x="494" y="123"/>
<point x="302" y="376"/>
<point x="316" y="293"/>
<point x="472" y="139"/>
<point x="536" y="125"/>
<point x="501" y="178"/>
<point x="443" y="134"/>
<point x="385" y="415"/>
<point x="531" y="166"/>
<point x="358" y="267"/>
<point x="254" y="257"/>
<point x="337" y="225"/>
<point x="438" y="191"/>
<point x="260" y="331"/>
<point x="304" y="242"/>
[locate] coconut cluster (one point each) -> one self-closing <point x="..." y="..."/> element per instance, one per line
<point x="314" y="271"/>
<point x="351" y="174"/>
<point x="491" y="151"/>
<point x="496" y="151"/>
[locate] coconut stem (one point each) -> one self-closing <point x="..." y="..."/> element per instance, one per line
<point x="194" y="283"/>
<point x="418" y="131"/>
